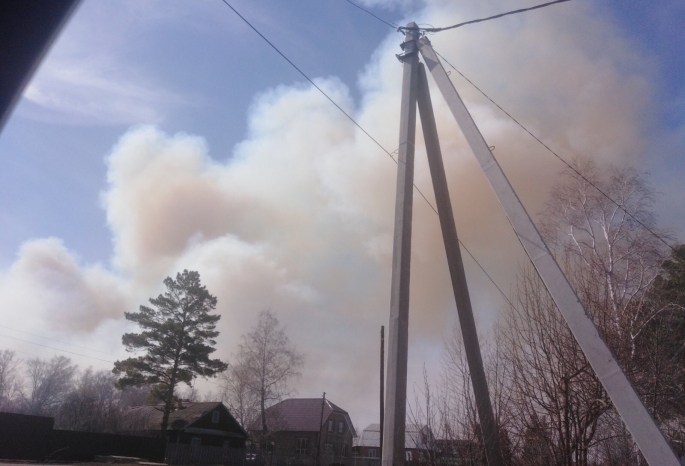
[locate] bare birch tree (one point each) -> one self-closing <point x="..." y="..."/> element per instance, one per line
<point x="49" y="382"/>
<point x="545" y="394"/>
<point x="558" y="400"/>
<point x="268" y="363"/>
<point x="457" y="406"/>
<point x="612" y="257"/>
<point x="93" y="405"/>
<point x="10" y="381"/>
<point x="237" y="392"/>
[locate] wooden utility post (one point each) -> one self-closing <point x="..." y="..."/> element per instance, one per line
<point x="398" y="328"/>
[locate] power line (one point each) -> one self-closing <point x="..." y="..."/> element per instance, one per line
<point x="642" y="224"/>
<point x="306" y="77"/>
<point x="358" y="126"/>
<point x="70" y="352"/>
<point x="324" y="94"/>
<point x="56" y="341"/>
<point x="18" y="351"/>
<point x="473" y="21"/>
<point x="56" y="349"/>
<point x="392" y="25"/>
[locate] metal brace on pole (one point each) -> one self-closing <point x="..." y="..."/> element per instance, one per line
<point x="635" y="415"/>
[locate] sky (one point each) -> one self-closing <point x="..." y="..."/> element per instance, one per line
<point x="159" y="136"/>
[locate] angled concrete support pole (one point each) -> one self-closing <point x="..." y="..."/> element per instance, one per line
<point x="396" y="381"/>
<point x="456" y="267"/>
<point x="635" y="415"/>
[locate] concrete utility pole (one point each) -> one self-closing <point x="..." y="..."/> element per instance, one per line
<point x="637" y="418"/>
<point x="396" y="391"/>
<point x="456" y="267"/>
<point x="382" y="385"/>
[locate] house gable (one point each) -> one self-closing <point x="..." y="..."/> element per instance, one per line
<point x="191" y="422"/>
<point x="225" y="422"/>
<point x="300" y="427"/>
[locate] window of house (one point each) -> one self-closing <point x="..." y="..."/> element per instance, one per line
<point x="408" y="455"/>
<point x="372" y="452"/>
<point x="344" y="451"/>
<point x="328" y="447"/>
<point x="330" y="426"/>
<point x="302" y="446"/>
<point x="215" y="417"/>
<point x="196" y="441"/>
<point x="341" y="426"/>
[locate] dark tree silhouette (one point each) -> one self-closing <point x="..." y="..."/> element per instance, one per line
<point x="178" y="338"/>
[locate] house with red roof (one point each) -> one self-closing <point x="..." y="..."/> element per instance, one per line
<point x="306" y="431"/>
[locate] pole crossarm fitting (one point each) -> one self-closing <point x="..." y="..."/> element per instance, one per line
<point x="630" y="407"/>
<point x="409" y="46"/>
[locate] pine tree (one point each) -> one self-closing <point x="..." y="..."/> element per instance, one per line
<point x="178" y="338"/>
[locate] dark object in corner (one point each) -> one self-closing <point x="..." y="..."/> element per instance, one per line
<point x="27" y="29"/>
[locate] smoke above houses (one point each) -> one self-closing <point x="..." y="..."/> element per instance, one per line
<point x="299" y="217"/>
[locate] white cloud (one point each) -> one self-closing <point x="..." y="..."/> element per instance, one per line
<point x="47" y="289"/>
<point x="75" y="91"/>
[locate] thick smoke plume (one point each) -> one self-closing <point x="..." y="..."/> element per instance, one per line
<point x="299" y="217"/>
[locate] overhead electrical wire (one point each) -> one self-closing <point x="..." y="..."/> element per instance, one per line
<point x="549" y="149"/>
<point x="392" y="25"/>
<point x="359" y="126"/>
<point x="18" y="351"/>
<point x="433" y="30"/>
<point x="69" y="352"/>
<point x="571" y="167"/>
<point x="323" y="93"/>
<point x="53" y="348"/>
<point x="56" y="341"/>
<point x="473" y="21"/>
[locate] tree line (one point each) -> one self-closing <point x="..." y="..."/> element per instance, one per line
<point x="178" y="335"/>
<point x="78" y="399"/>
<point x="551" y="408"/>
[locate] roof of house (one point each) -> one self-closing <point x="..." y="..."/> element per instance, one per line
<point x="370" y="437"/>
<point x="415" y="436"/>
<point x="301" y="415"/>
<point x="150" y="417"/>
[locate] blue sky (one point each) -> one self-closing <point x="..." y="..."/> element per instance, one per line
<point x="96" y="128"/>
<point x="210" y="64"/>
<point x="214" y="65"/>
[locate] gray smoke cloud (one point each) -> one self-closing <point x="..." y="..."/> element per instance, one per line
<point x="299" y="217"/>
